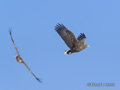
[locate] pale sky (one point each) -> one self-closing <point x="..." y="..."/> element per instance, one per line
<point x="32" y="23"/>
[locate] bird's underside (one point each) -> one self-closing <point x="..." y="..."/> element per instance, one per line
<point x="20" y="60"/>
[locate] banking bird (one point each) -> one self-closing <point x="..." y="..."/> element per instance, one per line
<point x="75" y="44"/>
<point x="19" y="58"/>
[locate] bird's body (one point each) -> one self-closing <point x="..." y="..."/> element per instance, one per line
<point x="19" y="58"/>
<point x="75" y="44"/>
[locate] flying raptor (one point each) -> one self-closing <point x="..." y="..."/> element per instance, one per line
<point x="19" y="58"/>
<point x="75" y="44"/>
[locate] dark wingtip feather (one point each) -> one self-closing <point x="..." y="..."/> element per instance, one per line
<point x="10" y="31"/>
<point x="81" y="36"/>
<point x="39" y="80"/>
<point x="59" y="26"/>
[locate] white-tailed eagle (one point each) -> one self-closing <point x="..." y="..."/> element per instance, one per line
<point x="19" y="59"/>
<point x="75" y="44"/>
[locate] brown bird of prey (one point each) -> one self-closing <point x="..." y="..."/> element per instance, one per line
<point x="19" y="58"/>
<point x="75" y="44"/>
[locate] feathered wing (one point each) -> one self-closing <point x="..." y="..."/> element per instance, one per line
<point x="31" y="71"/>
<point x="81" y="38"/>
<point x="13" y="42"/>
<point x="68" y="37"/>
<point x="21" y="58"/>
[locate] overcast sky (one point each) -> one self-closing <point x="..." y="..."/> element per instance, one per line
<point x="32" y="23"/>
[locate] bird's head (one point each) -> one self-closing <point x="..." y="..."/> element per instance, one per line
<point x="67" y="52"/>
<point x="88" y="46"/>
<point x="85" y="46"/>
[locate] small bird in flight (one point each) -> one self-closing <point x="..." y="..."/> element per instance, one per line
<point x="75" y="44"/>
<point x="19" y="59"/>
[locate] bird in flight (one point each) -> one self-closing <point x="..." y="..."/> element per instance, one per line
<point x="75" y="44"/>
<point x="19" y="58"/>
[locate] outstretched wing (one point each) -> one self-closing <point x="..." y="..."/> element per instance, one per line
<point x="68" y="37"/>
<point x="13" y="42"/>
<point x="82" y="38"/>
<point x="31" y="72"/>
<point x="21" y="58"/>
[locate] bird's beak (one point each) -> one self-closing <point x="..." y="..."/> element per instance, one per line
<point x="88" y="46"/>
